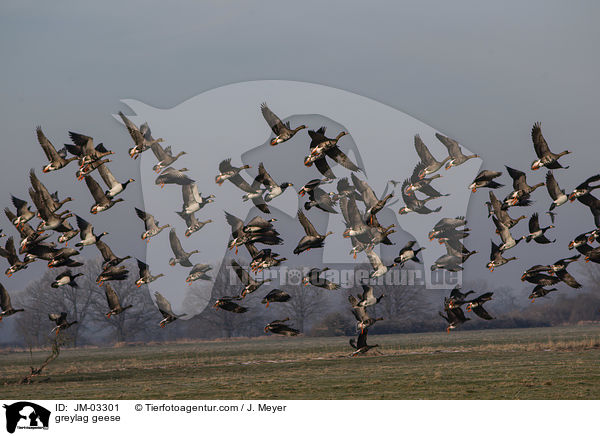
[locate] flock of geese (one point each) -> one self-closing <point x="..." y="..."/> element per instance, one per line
<point x="356" y="200"/>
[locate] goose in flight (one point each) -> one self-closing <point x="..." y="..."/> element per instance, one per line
<point x="192" y="223"/>
<point x="422" y="184"/>
<point x="536" y="233"/>
<point x="164" y="307"/>
<point x="83" y="148"/>
<point x="252" y="233"/>
<point x="145" y="274"/>
<point x="413" y="204"/>
<point x="379" y="268"/>
<point x="250" y="284"/>
<point x="283" y="132"/>
<point x="279" y="327"/>
<point x="360" y="345"/>
<point x="172" y="176"/>
<point x="118" y="273"/>
<point x="181" y="257"/>
<point x="276" y="296"/>
<point x="114" y="186"/>
<point x="164" y="156"/>
<point x="24" y="213"/>
<point x="198" y="272"/>
<point x="314" y="278"/>
<point x="558" y="195"/>
<point x="193" y="200"/>
<point x="429" y="163"/>
<point x="322" y="147"/>
<point x="454" y="317"/>
<point x="496" y="258"/>
<point x="456" y="155"/>
<point x="152" y="226"/>
<point x="545" y="157"/>
<point x="113" y="302"/>
<point x="485" y="179"/>
<point x="476" y="305"/>
<point x="6" y="307"/>
<point x="102" y="202"/>
<point x="142" y="138"/>
<point x="10" y="254"/>
<point x="66" y="278"/>
<point x="274" y="190"/>
<point x="312" y="239"/>
<point x="363" y="319"/>
<point x="408" y="253"/>
<point x="539" y="291"/>
<point x="508" y="241"/>
<point x="585" y="187"/>
<point x="61" y="321"/>
<point x="368" y="297"/>
<point x="58" y="159"/>
<point x="109" y="258"/>
<point x="86" y="233"/>
<point x="501" y="214"/>
<point x="227" y="303"/>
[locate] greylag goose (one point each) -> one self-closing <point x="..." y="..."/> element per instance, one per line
<point x="62" y="257"/>
<point x="521" y="190"/>
<point x="83" y="148"/>
<point x="457" y="298"/>
<point x="282" y="131"/>
<point x="164" y="307"/>
<point x="322" y="147"/>
<point x="580" y="244"/>
<point x="58" y="159"/>
<point x="66" y="278"/>
<point x="312" y="184"/>
<point x="560" y="269"/>
<point x="445" y="224"/>
<point x="250" y="284"/>
<point x="379" y="268"/>
<point x="24" y="213"/>
<point x="113" y="302"/>
<point x="152" y="226"/>
<point x="279" y="327"/>
<point x="372" y="204"/>
<point x="496" y="258"/>
<point x="274" y="190"/>
<point x="508" y="241"/>
<point x="145" y="274"/>
<point x="102" y="202"/>
<point x="408" y="253"/>
<point x="454" y="317"/>
<point x="51" y="200"/>
<point x="456" y="248"/>
<point x="6" y="307"/>
<point x="313" y="239"/>
<point x="265" y="235"/>
<point x="118" y="273"/>
<point x="192" y="223"/>
<point x="198" y="272"/>
<point x="413" y="204"/>
<point x="321" y="200"/>
<point x="171" y="176"/>
<point x="259" y="224"/>
<point x="164" y="156"/>
<point x="536" y="233"/>
<point x="86" y="233"/>
<point x="585" y="187"/>
<point x="276" y="296"/>
<point x="40" y="251"/>
<point x="29" y="236"/>
<point x="61" y="321"/>
<point x="314" y="278"/>
<point x="10" y="254"/>
<point x="109" y="258"/>
<point x="142" y="138"/>
<point x="537" y="278"/>
<point x="229" y="172"/>
<point x="360" y="345"/>
<point x="368" y="298"/>
<point x="181" y="257"/>
<point x="485" y="179"/>
<point x="422" y="184"/>
<point x="545" y="157"/>
<point x="363" y="319"/>
<point x="476" y="305"/>
<point x="227" y="303"/>
<point x="501" y="213"/>
<point x="448" y="262"/>
<point x="456" y="155"/>
<point x="430" y="164"/>
<point x="539" y="292"/>
<point x="114" y="187"/>
<point x="263" y="259"/>
<point x="193" y="200"/>
<point x="355" y="225"/>
<point x="558" y="195"/>
<point x="50" y="219"/>
<point x="89" y="168"/>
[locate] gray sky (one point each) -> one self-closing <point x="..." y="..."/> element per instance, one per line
<point x="480" y="73"/>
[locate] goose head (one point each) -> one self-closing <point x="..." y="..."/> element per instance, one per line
<point x="536" y="165"/>
<point x="404" y="210"/>
<point x="172" y="261"/>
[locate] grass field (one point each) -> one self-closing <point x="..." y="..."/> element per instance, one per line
<point x="546" y="363"/>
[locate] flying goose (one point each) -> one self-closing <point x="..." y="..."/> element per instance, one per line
<point x="50" y="219"/>
<point x="413" y="204"/>
<point x="10" y="254"/>
<point x="363" y="319"/>
<point x="113" y="302"/>
<point x="457" y="298"/>
<point x="152" y="226"/>
<point x="322" y="147"/>
<point x="193" y="200"/>
<point x="50" y="200"/>
<point x="485" y="179"/>
<point x="430" y="164"/>
<point x="263" y="259"/>
<point x="580" y="244"/>
<point x="62" y="257"/>
<point x="86" y="233"/>
<point x="501" y="214"/>
<point x="537" y="278"/>
<point x="313" y="239"/>
<point x="321" y="200"/>
<point x="355" y="225"/>
<point x="6" y="308"/>
<point x="266" y="235"/>
<point x="66" y="278"/>
<point x="83" y="148"/>
<point x="476" y="305"/>
<point x="145" y="274"/>
<point x="279" y="327"/>
<point x="496" y="258"/>
<point x="521" y="190"/>
<point x="455" y="317"/>
<point x="379" y="268"/>
<point x="312" y="184"/>
<point x="40" y="251"/>
<point x="372" y="204"/>
<point x="593" y="204"/>
<point x="545" y="157"/>
<point x="274" y="190"/>
<point x="227" y="303"/>
<point x="29" y="237"/>
<point x="558" y="195"/>
<point x="508" y="241"/>
<point x="276" y="296"/>
<point x="165" y="310"/>
<point x="314" y="278"/>
<point x="282" y="131"/>
<point x="408" y="253"/>
<point x="61" y="321"/>
<point x="422" y="184"/>
<point x="142" y="138"/>
<point x="24" y="213"/>
<point x="198" y="272"/>
<point x="58" y="159"/>
<point x="585" y="187"/>
<point x="109" y="258"/>
<point x="539" y="292"/>
<point x="181" y="257"/>
<point x="112" y="273"/>
<point x="164" y="156"/>
<point x="456" y="155"/>
<point x="171" y="176"/>
<point x="448" y="262"/>
<point x="360" y="345"/>
<point x="231" y="173"/>
<point x="89" y="168"/>
<point x="442" y="226"/>
<point x="536" y="232"/>
<point x="368" y="298"/>
<point x="560" y="269"/>
<point x="114" y="187"/>
<point x="102" y="202"/>
<point x="250" y="284"/>
<point x="192" y="223"/>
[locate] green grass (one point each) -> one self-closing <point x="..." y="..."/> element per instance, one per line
<point x="547" y="363"/>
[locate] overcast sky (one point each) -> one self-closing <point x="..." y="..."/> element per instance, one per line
<point x="480" y="73"/>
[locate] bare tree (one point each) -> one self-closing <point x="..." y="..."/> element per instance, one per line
<point x="305" y="305"/>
